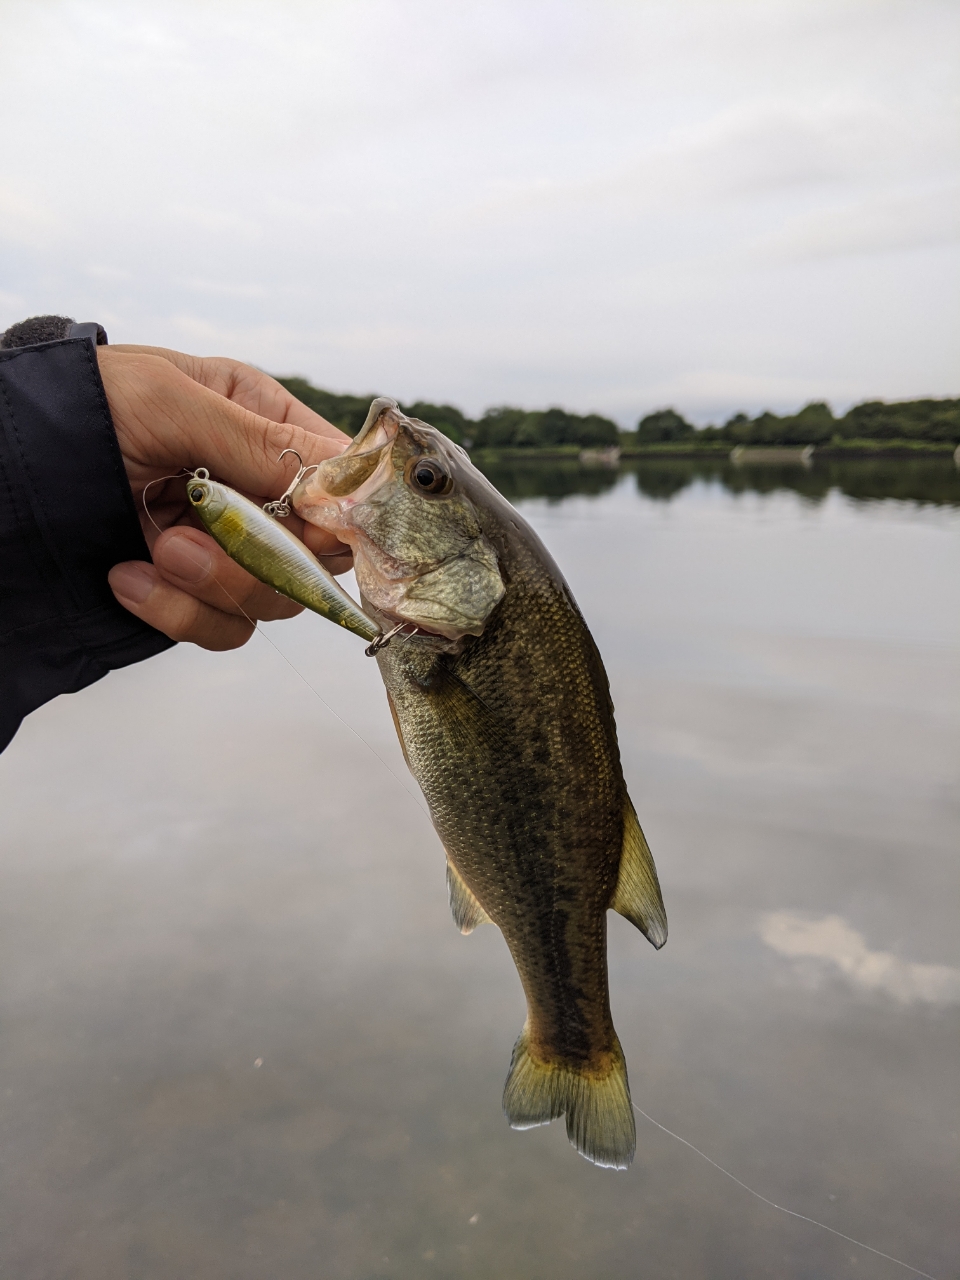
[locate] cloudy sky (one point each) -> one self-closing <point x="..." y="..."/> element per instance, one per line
<point x="610" y="205"/>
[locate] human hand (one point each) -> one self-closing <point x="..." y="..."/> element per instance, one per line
<point x="172" y="411"/>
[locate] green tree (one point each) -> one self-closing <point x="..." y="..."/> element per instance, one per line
<point x="935" y="420"/>
<point x="662" y="427"/>
<point x="597" y="432"/>
<point x="445" y="417"/>
<point x="814" y="424"/>
<point x="346" y="412"/>
<point x="529" y="432"/>
<point x="498" y="427"/>
<point x="556" y="427"/>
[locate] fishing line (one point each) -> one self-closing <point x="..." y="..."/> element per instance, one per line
<point x="256" y="626"/>
<point x="181" y="474"/>
<point x="793" y="1214"/>
<point x="371" y="749"/>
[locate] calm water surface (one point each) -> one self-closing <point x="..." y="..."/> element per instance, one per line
<point x="242" y="1037"/>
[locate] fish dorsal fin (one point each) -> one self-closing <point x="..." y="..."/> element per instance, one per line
<point x="637" y="895"/>
<point x="467" y="911"/>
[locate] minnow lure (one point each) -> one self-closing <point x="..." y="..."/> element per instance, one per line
<point x="271" y="553"/>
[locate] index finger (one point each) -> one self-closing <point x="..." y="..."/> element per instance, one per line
<point x="246" y="386"/>
<point x="167" y="420"/>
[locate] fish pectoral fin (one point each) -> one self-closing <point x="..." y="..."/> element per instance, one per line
<point x="467" y="911"/>
<point x="637" y="896"/>
<point x="466" y="704"/>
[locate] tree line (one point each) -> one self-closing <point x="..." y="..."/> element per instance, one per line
<point x="505" y="427"/>
<point x="930" y="420"/>
<point x="499" y="428"/>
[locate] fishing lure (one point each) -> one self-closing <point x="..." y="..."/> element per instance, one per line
<point x="255" y="539"/>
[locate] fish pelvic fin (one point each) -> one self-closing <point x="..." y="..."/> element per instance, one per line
<point x="600" y="1120"/>
<point x="396" y="725"/>
<point x="467" y="911"/>
<point x="637" y="895"/>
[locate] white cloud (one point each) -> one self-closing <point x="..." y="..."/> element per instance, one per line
<point x="835" y="946"/>
<point x="232" y="289"/>
<point x="113" y="275"/>
<point x="906" y="220"/>
<point x="25" y="218"/>
<point x="604" y="204"/>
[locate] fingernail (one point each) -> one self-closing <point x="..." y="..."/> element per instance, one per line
<point x="133" y="581"/>
<point x="185" y="560"/>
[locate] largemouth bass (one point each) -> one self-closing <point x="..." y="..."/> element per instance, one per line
<point x="504" y="715"/>
<point x="273" y="555"/>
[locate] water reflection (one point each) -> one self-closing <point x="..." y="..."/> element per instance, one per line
<point x="923" y="480"/>
<point x="243" y="1039"/>
<point x="517" y="478"/>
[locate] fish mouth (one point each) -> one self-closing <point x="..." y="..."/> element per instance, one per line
<point x="417" y="564"/>
<point x="349" y="478"/>
<point x="383" y="416"/>
<point x="333" y="497"/>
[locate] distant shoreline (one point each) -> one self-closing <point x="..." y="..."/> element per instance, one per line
<point x="872" y="429"/>
<point x="721" y="451"/>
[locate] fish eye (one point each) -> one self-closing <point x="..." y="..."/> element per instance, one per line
<point x="196" y="495"/>
<point x="427" y="475"/>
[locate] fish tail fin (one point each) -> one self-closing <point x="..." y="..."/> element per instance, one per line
<point x="600" y="1120"/>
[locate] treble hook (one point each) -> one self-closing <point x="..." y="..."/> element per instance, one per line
<point x="375" y="646"/>
<point x="280" y="507"/>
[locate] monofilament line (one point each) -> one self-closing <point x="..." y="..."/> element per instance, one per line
<point x="793" y="1214"/>
<point x="260" y="631"/>
<point x="372" y="750"/>
<point x="256" y="626"/>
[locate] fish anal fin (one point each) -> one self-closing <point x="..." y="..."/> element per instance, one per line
<point x="637" y="895"/>
<point x="600" y="1120"/>
<point x="467" y="911"/>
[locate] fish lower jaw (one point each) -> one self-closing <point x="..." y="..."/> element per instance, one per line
<point x="388" y="621"/>
<point x="387" y="610"/>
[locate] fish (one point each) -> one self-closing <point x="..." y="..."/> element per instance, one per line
<point x="504" y="715"/>
<point x="271" y="553"/>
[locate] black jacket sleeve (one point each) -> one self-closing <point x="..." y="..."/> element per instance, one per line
<point x="66" y="517"/>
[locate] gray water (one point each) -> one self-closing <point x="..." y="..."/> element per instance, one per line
<point x="242" y="1038"/>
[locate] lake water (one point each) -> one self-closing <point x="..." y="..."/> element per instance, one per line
<point x="242" y="1037"/>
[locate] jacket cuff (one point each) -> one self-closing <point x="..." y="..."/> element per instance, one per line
<point x="66" y="517"/>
